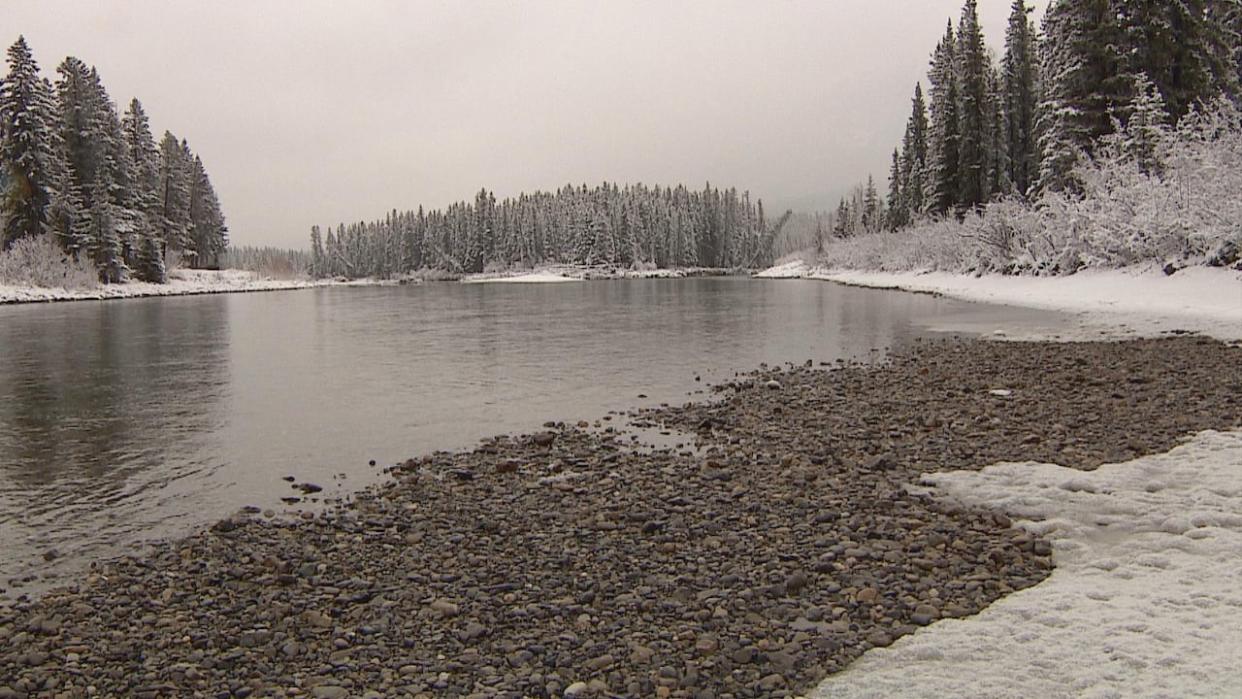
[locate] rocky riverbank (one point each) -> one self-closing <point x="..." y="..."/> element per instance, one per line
<point x="568" y="562"/>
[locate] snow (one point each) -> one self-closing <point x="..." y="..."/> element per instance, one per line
<point x="181" y="282"/>
<point x="1139" y="301"/>
<point x="796" y="269"/>
<point x="545" y="277"/>
<point x="1144" y="600"/>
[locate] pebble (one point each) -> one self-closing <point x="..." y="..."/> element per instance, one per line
<point x="778" y="544"/>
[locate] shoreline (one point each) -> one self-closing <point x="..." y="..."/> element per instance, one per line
<point x="181" y="283"/>
<point x="204" y="282"/>
<point x="1139" y="301"/>
<point x="567" y="562"/>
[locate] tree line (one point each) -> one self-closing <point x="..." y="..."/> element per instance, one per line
<point x="1015" y="128"/>
<point x="74" y="170"/>
<point x="632" y="226"/>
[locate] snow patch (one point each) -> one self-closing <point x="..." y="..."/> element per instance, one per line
<point x="531" y="278"/>
<point x="181" y="282"/>
<point x="1136" y="301"/>
<point x="1144" y="600"/>
<point x="790" y="270"/>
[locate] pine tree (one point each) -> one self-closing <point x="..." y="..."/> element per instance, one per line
<point x="971" y="69"/>
<point x="149" y="261"/>
<point x="143" y="158"/>
<point x="997" y="151"/>
<point x="209" y="234"/>
<point x="317" y="267"/>
<point x="1145" y="127"/>
<point x="914" y="156"/>
<point x="1080" y="59"/>
<point x="871" y="207"/>
<point x="941" y="188"/>
<point x="103" y="241"/>
<point x="1020" y="99"/>
<point x="28" y="148"/>
<point x="1182" y="48"/>
<point x="174" y="193"/>
<point x="898" y="213"/>
<point x="841" y="226"/>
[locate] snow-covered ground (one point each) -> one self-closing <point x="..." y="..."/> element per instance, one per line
<point x="544" y="277"/>
<point x="1134" y="301"/>
<point x="181" y="282"/>
<point x="1145" y="599"/>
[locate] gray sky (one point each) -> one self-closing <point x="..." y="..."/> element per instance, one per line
<point x="317" y="112"/>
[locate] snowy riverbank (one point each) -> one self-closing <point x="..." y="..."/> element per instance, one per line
<point x="1143" y="601"/>
<point x="1133" y="301"/>
<point x="182" y="282"/>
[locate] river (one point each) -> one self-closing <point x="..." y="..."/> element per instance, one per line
<point x="132" y="420"/>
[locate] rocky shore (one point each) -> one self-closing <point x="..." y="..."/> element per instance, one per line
<point x="570" y="563"/>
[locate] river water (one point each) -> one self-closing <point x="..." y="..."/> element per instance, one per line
<point x="126" y="421"/>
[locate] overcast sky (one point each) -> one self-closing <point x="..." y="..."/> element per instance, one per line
<point x="318" y="112"/>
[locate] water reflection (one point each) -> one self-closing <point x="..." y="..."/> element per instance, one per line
<point x="102" y="406"/>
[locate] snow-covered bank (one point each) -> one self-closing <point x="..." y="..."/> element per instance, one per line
<point x="531" y="278"/>
<point x="180" y="283"/>
<point x="1144" y="600"/>
<point x="788" y="270"/>
<point x="1140" y="301"/>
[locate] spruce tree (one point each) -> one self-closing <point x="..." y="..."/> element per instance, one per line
<point x="1020" y="99"/>
<point x="208" y="232"/>
<point x="971" y="68"/>
<point x="28" y="147"/>
<point x="898" y="211"/>
<point x="103" y="240"/>
<point x="174" y="193"/>
<point x="1080" y="59"/>
<point x="870" y="207"/>
<point x="997" y="151"/>
<point x="143" y="158"/>
<point x="914" y="156"/>
<point x="942" y="142"/>
<point x="1182" y="48"/>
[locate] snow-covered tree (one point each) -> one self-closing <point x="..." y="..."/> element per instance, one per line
<point x="208" y="230"/>
<point x="898" y="211"/>
<point x="914" y="156"/>
<point x="1080" y="57"/>
<point x="1183" y="48"/>
<point x="973" y="110"/>
<point x="174" y="193"/>
<point x="1020" y="98"/>
<point x="28" y="148"/>
<point x="941" y="186"/>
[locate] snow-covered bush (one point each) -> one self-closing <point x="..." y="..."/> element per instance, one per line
<point x="1151" y="193"/>
<point x="39" y="261"/>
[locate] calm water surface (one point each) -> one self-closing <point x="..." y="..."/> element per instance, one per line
<point x="125" y="421"/>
